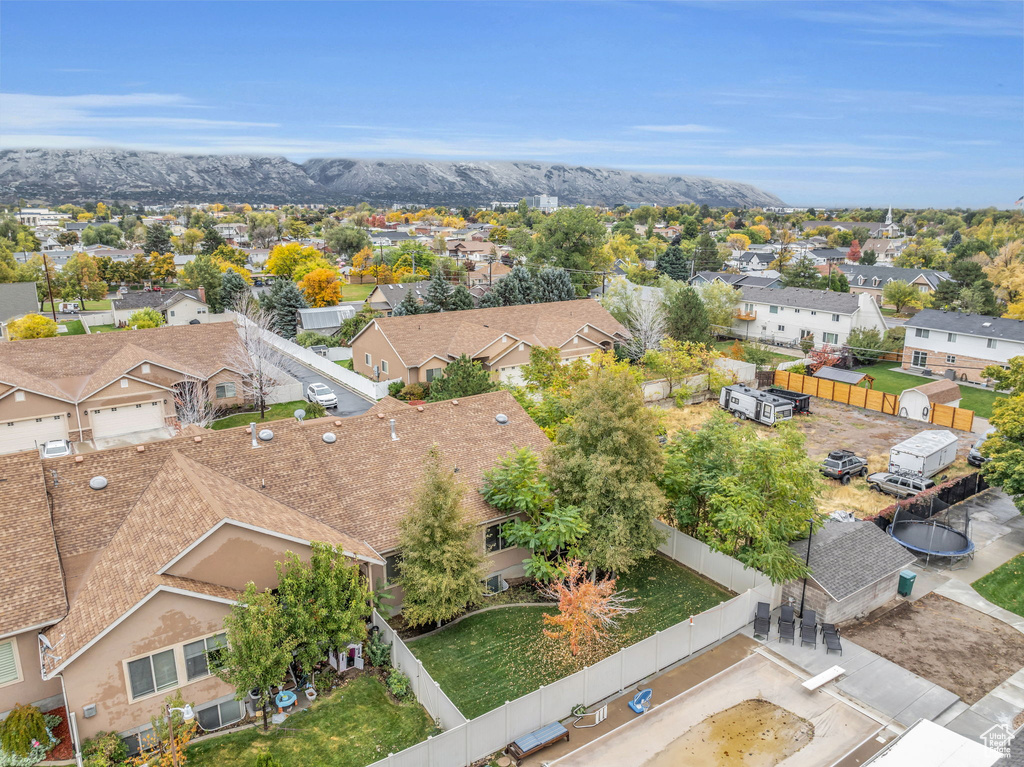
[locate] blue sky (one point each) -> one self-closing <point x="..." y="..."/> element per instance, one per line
<point x="914" y="104"/>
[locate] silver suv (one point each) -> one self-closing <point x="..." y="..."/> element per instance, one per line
<point x="899" y="485"/>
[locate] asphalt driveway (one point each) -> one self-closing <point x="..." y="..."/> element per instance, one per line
<point x="349" y="403"/>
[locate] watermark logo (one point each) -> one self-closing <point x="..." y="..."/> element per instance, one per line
<point x="998" y="738"/>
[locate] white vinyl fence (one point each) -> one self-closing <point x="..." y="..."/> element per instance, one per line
<point x="466" y="741"/>
<point x="371" y="390"/>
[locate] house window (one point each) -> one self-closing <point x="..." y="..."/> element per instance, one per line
<point x="991" y="343"/>
<point x="392" y="568"/>
<point x="19" y="396"/>
<point x="920" y="333"/>
<point x="951" y="337"/>
<point x="137" y="741"/>
<point x="782" y="328"/>
<point x="145" y="367"/>
<point x="835" y="318"/>
<point x="773" y="309"/>
<point x="153" y="673"/>
<point x="368" y="359"/>
<point x="171" y="312"/>
<point x="433" y="373"/>
<point x="814" y="314"/>
<point x="124" y="383"/>
<point x="384" y="366"/>
<point x="950" y="359"/>
<point x="830" y="338"/>
<point x="494" y="540"/>
<point x="919" y="359"/>
<point x="797" y="311"/>
<point x="225" y="390"/>
<point x="201" y="656"/>
<point x="9" y="670"/>
<point x="218" y="715"/>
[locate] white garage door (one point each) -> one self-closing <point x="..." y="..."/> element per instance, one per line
<point x="113" y="421"/>
<point x="23" y="435"/>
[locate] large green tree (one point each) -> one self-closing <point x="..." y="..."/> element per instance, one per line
<point x="606" y="461"/>
<point x="801" y="273"/>
<point x="284" y="299"/>
<point x="463" y="377"/>
<point x="553" y="284"/>
<point x="705" y="255"/>
<point x="572" y="238"/>
<point x="233" y="288"/>
<point x="347" y="240"/>
<point x="1005" y="448"/>
<point x="439" y="293"/>
<point x="202" y="272"/>
<point x="442" y="566"/>
<point x="674" y="263"/>
<point x="686" y="318"/>
<point x="158" y="239"/>
<point x="80" y="279"/>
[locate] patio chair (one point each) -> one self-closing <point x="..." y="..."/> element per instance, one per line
<point x="599" y="716"/>
<point x="828" y="628"/>
<point x="522" y="747"/>
<point x="785" y="615"/>
<point x="809" y="618"/>
<point x="832" y="643"/>
<point x="809" y="635"/>
<point x="787" y="631"/>
<point x="641" y="701"/>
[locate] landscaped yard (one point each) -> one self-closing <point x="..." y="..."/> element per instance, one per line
<point x="105" y="329"/>
<point x="103" y="305"/>
<point x="895" y="381"/>
<point x="776" y="357"/>
<point x="74" y="328"/>
<point x="274" y="413"/>
<point x="354" y="726"/>
<point x="357" y="292"/>
<point x="1004" y="586"/>
<point x="499" y="655"/>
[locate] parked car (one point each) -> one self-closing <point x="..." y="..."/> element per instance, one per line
<point x="319" y="392"/>
<point x="844" y="465"/>
<point x="898" y="485"/>
<point x="56" y="448"/>
<point x="974" y="457"/>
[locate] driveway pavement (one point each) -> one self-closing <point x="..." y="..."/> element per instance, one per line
<point x="349" y="403"/>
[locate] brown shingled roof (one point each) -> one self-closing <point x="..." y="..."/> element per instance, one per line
<point x="418" y="337"/>
<point x="942" y="391"/>
<point x="29" y="566"/>
<point x="75" y="366"/>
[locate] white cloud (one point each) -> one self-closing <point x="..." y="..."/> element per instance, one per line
<point x="688" y="128"/>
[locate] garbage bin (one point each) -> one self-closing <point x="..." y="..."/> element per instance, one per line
<point x="907" y="578"/>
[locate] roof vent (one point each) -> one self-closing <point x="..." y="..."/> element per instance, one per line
<point x="501" y="418"/>
<point x="299" y="414"/>
<point x="329" y="438"/>
<point x="394" y="436"/>
<point x="98" y="483"/>
<point x="266" y="435"/>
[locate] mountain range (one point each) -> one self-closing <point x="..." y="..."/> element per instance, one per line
<point x="77" y="175"/>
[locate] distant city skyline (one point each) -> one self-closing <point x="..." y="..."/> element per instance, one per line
<point x="909" y="104"/>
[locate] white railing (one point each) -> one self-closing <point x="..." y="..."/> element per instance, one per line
<point x="467" y="741"/>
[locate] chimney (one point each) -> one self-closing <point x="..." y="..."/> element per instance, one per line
<point x="202" y="293"/>
<point x="394" y="437"/>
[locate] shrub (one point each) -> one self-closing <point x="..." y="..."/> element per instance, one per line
<point x="395" y="388"/>
<point x="378" y="651"/>
<point x="399" y="685"/>
<point x="736" y="350"/>
<point x="324" y="680"/>
<point x="23" y="728"/>
<point x="266" y="760"/>
<point x="314" y="410"/>
<point x="105" y="749"/>
<point x="413" y="391"/>
<point x="309" y="338"/>
<point x="800" y="370"/>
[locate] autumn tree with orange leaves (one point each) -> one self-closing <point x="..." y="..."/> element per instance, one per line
<point x="587" y="610"/>
<point x="321" y="287"/>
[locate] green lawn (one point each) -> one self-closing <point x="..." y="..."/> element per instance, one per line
<point x="358" y="292"/>
<point x="74" y="328"/>
<point x="500" y="655"/>
<point x="354" y="726"/>
<point x="347" y="364"/>
<point x="895" y="381"/>
<point x="274" y="413"/>
<point x="776" y="357"/>
<point x="105" y="329"/>
<point x="103" y="305"/>
<point x="1004" y="586"/>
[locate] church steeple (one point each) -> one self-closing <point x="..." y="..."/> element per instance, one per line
<point x="888" y="216"/>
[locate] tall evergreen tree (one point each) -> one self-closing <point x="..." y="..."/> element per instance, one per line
<point x="461" y="299"/>
<point x="441" y="567"/>
<point x="674" y="263"/>
<point x="686" y="317"/>
<point x="954" y="240"/>
<point x="284" y="299"/>
<point x="439" y="293"/>
<point x="606" y="460"/>
<point x="158" y="239"/>
<point x="553" y="284"/>
<point x="462" y="378"/>
<point x="869" y="258"/>
<point x="232" y="287"/>
<point x="515" y="288"/>
<point x="801" y="273"/>
<point x="408" y="306"/>
<point x="211" y="241"/>
<point x="705" y="255"/>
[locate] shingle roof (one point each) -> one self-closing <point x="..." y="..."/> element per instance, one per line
<point x="449" y="334"/>
<point x="156" y="299"/>
<point x="73" y="367"/>
<point x="848" y="556"/>
<point x="29" y="566"/>
<point x="737" y="280"/>
<point x="393" y="294"/>
<point x="968" y="324"/>
<point x="941" y="391"/>
<point x="16" y="299"/>
<point x="887" y="273"/>
<point x="803" y="298"/>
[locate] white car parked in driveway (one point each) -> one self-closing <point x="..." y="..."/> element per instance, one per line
<point x="56" y="448"/>
<point x="322" y="393"/>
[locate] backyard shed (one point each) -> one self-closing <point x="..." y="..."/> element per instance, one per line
<point x="855" y="567"/>
<point x="326" y="319"/>
<point x="917" y="403"/>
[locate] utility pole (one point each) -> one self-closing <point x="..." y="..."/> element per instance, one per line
<point x="49" y="288"/>
<point x="807" y="563"/>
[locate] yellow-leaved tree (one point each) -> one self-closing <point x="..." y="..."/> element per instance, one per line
<point x="321" y="287"/>
<point x="32" y="326"/>
<point x="738" y="241"/>
<point x="284" y="259"/>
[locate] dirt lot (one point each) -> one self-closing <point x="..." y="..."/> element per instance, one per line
<point x="947" y="643"/>
<point x="831" y="426"/>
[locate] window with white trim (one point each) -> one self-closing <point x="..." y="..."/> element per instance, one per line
<point x="19" y="396"/>
<point x="152" y="673"/>
<point x="494" y="540"/>
<point x="920" y="333"/>
<point x="225" y="390"/>
<point x="951" y="337"/>
<point x="835" y="318"/>
<point x="201" y="656"/>
<point x="782" y="328"/>
<point x="950" y="359"/>
<point x="830" y="338"/>
<point x="433" y="373"/>
<point x="773" y="310"/>
<point x="368" y="359"/>
<point x="991" y="343"/>
<point x="10" y="671"/>
<point x="919" y="359"/>
<point x="217" y="715"/>
<point x="392" y="568"/>
<point x="384" y="366"/>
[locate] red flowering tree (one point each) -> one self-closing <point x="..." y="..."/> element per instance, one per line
<point x="853" y="254"/>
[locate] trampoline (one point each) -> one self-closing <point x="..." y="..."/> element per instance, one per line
<point x="932" y="538"/>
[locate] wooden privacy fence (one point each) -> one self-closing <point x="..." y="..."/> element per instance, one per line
<point x="871" y="399"/>
<point x="839" y="392"/>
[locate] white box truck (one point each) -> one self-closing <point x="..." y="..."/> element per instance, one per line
<point x="925" y="454"/>
<point x="744" y="402"/>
